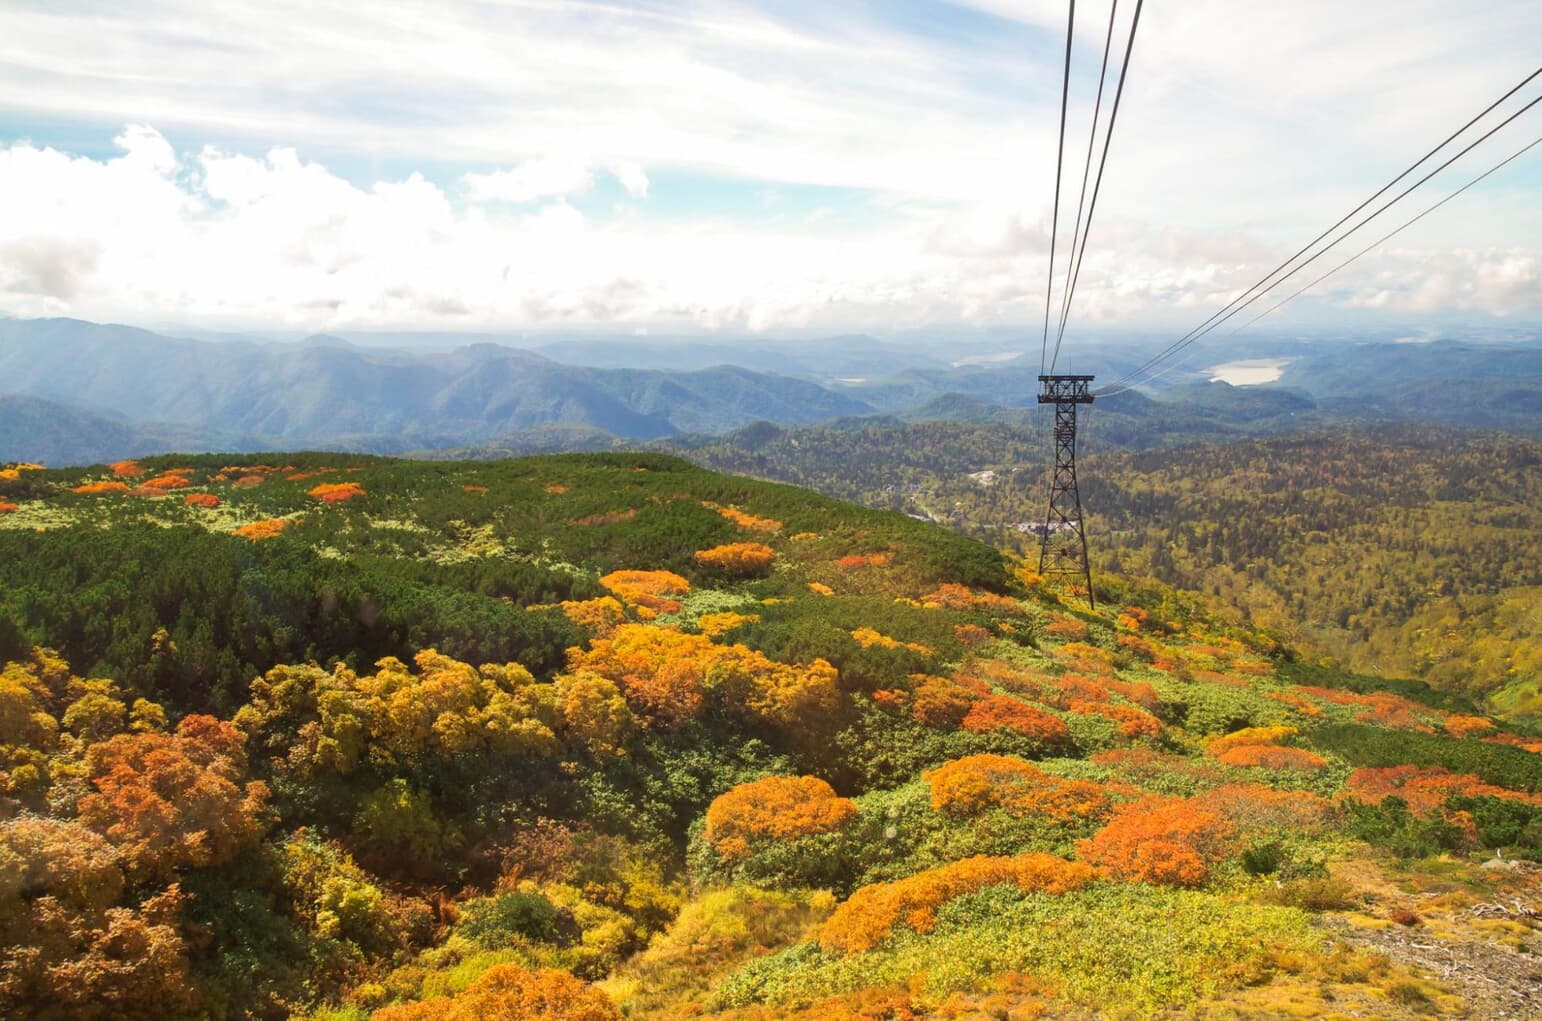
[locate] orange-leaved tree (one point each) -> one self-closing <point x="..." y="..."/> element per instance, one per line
<point x="870" y="915"/>
<point x="774" y="808"/>
<point x="172" y="801"/>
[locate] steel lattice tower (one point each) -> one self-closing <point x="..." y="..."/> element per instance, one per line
<point x="1063" y="543"/>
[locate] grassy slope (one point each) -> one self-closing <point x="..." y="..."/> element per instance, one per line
<point x="541" y="528"/>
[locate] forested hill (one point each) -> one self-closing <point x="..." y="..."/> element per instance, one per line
<point x="1402" y="549"/>
<point x="590" y="736"/>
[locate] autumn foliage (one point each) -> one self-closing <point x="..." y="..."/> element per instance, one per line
<point x="742" y="558"/>
<point x="667" y="674"/>
<point x="600" y="617"/>
<point x="963" y="598"/>
<point x="166" y="482"/>
<point x="749" y="521"/>
<point x="871" y="914"/>
<point x="97" y="488"/>
<point x="263" y="529"/>
<point x="944" y="701"/>
<point x="1271" y="756"/>
<point x="126" y="469"/>
<point x="511" y="993"/>
<point x="774" y="808"/>
<point x="201" y="500"/>
<point x="332" y="493"/>
<point x="979" y="782"/>
<point x="1002" y="712"/>
<point x="1425" y="789"/>
<point x="171" y="801"/>
<point x="1165" y="841"/>
<point x="1132" y="722"/>
<point x="654" y="591"/>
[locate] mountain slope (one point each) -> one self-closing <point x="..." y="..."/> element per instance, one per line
<point x="327" y="393"/>
<point x="564" y="737"/>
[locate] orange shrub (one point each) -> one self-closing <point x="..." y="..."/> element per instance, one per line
<point x="600" y="617"/>
<point x="8" y="508"/>
<point x="263" y="529"/>
<point x="1300" y="703"/>
<point x="715" y="625"/>
<point x="749" y="521"/>
<point x="978" y="782"/>
<point x="511" y="993"/>
<point x="1067" y="627"/>
<point x="870" y="915"/>
<point x="332" y="493"/>
<point x="1137" y="646"/>
<point x="248" y="481"/>
<point x="170" y="480"/>
<point x="1159" y="840"/>
<point x="1002" y="712"/>
<point x="963" y="598"/>
<point x="868" y="637"/>
<point x="1133" y="723"/>
<point x="201" y="500"/>
<point x="1381" y="708"/>
<point x="943" y="701"/>
<point x="738" y="557"/>
<point x="819" y="588"/>
<point x="101" y="487"/>
<point x="855" y="560"/>
<point x="127" y="469"/>
<point x="1466" y="726"/>
<point x="1271" y="756"/>
<point x="774" y="808"/>
<point x="1426" y="788"/>
<point x="1219" y="746"/>
<point x="1530" y="744"/>
<point x="1256" y="807"/>
<point x="971" y="635"/>
<point x="652" y="590"/>
<point x="665" y="674"/>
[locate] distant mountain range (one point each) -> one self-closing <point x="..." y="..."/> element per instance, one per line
<point x="79" y="392"/>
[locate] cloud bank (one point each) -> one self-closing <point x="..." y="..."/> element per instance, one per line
<point x="535" y="164"/>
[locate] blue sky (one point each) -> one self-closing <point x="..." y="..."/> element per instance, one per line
<point x="737" y="166"/>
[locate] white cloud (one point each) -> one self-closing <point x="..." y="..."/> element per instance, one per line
<point x="1248" y="125"/>
<point x="531" y="180"/>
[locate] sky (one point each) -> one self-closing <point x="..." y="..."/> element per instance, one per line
<point x="741" y="167"/>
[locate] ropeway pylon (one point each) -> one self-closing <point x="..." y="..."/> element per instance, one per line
<point x="1063" y="542"/>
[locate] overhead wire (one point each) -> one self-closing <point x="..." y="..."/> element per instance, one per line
<point x="1065" y="94"/>
<point x="1098" y="184"/>
<point x="1267" y="282"/>
<point x="1092" y="144"/>
<point x="1391" y="234"/>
